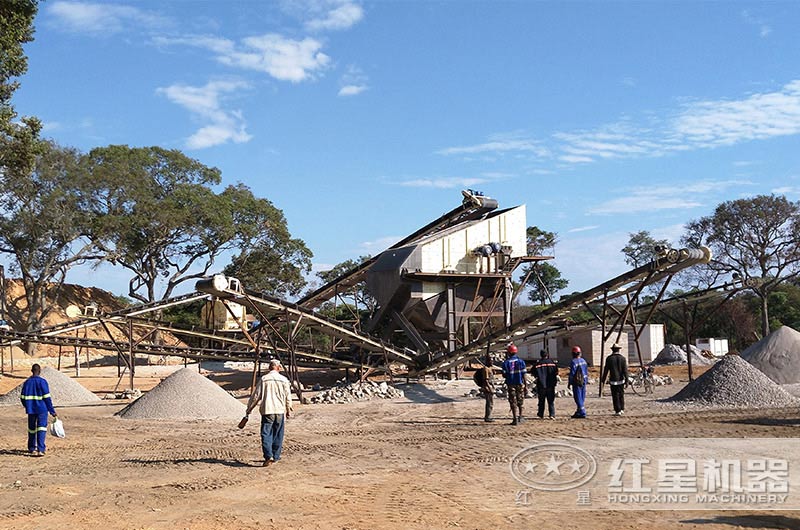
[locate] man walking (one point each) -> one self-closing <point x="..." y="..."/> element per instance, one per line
<point x="546" y="372"/>
<point x="514" y="374"/>
<point x="484" y="378"/>
<point x="275" y="394"/>
<point x="36" y="399"/>
<point x="578" y="376"/>
<point x="616" y="372"/>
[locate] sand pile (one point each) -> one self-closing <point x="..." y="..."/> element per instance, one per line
<point x="63" y="390"/>
<point x="733" y="382"/>
<point x="777" y="355"/>
<point x="185" y="395"/>
<point x="672" y="354"/>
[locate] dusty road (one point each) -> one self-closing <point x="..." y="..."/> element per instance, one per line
<point x="426" y="461"/>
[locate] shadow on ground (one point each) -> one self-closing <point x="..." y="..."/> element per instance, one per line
<point x="418" y="393"/>
<point x="750" y="521"/>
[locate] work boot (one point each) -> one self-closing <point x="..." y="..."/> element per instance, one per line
<point x="514" y="420"/>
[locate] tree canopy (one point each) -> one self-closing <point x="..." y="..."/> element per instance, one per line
<point x="543" y="279"/>
<point x="155" y="213"/>
<point x="42" y="227"/>
<point x="18" y="138"/>
<point x="641" y="248"/>
<point x="758" y="239"/>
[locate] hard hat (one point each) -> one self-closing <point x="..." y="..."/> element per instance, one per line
<point x="511" y="349"/>
<point x="576" y="349"/>
<point x="616" y="347"/>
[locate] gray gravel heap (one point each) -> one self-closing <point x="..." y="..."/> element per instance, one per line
<point x="672" y="354"/>
<point x="777" y="355"/>
<point x="346" y="393"/>
<point x="185" y="395"/>
<point x="733" y="382"/>
<point x="63" y="390"/>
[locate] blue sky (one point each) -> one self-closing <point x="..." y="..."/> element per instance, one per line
<point x="363" y="120"/>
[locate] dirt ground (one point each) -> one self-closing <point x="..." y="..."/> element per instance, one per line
<point x="425" y="461"/>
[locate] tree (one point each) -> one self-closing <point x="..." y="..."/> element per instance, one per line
<point x="42" y="228"/>
<point x="157" y="216"/>
<point x="358" y="294"/>
<point x="270" y="260"/>
<point x="641" y="248"/>
<point x="757" y="239"/>
<point x="19" y="141"/>
<point x="548" y="282"/>
<point x="539" y="240"/>
<point x="544" y="279"/>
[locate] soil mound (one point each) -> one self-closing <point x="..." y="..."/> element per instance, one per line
<point x="63" y="390"/>
<point x="733" y="382"/>
<point x="185" y="395"/>
<point x="777" y="355"/>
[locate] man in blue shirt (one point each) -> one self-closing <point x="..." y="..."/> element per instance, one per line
<point x="514" y="374"/>
<point x="35" y="398"/>
<point x="578" y="376"/>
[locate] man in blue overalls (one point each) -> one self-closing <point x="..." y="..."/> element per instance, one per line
<point x="514" y="374"/>
<point x="35" y="398"/>
<point x="578" y="376"/>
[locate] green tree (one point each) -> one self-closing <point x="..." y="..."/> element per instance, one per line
<point x="42" y="227"/>
<point x="544" y="279"/>
<point x="641" y="248"/>
<point x="156" y="215"/>
<point x="757" y="239"/>
<point x="19" y="142"/>
<point x="357" y="299"/>
<point x="539" y="240"/>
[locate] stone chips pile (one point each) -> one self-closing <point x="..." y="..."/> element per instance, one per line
<point x="346" y="393"/>
<point x="733" y="382"/>
<point x="63" y="390"/>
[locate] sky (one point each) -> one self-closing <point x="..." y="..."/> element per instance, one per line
<point x="362" y="121"/>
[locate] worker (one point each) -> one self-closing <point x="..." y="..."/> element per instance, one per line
<point x="514" y="374"/>
<point x="484" y="378"/>
<point x="578" y="376"/>
<point x="546" y="372"/>
<point x="615" y="372"/>
<point x="36" y="399"/>
<point x="275" y="394"/>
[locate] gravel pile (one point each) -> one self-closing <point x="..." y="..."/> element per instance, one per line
<point x="347" y="393"/>
<point x="733" y="382"/>
<point x="185" y="395"/>
<point x="63" y="390"/>
<point x="672" y="354"/>
<point x="777" y="355"/>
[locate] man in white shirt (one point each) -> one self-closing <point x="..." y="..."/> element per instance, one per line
<point x="275" y="394"/>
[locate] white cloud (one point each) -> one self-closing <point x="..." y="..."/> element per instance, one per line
<point x="582" y="229"/>
<point x="500" y="144"/>
<point x="50" y="126"/>
<point x="336" y="15"/>
<point x="204" y="103"/>
<point x="379" y="245"/>
<point x="786" y="190"/>
<point x="283" y="58"/>
<point x="353" y="82"/>
<point x="102" y="18"/>
<point x="351" y="90"/>
<point x="444" y="182"/>
<point x="757" y="117"/>
<point x="657" y="198"/>
<point x="764" y="29"/>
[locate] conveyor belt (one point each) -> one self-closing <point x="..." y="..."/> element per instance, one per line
<point x="473" y="207"/>
<point x="627" y="283"/>
<point x="275" y="308"/>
